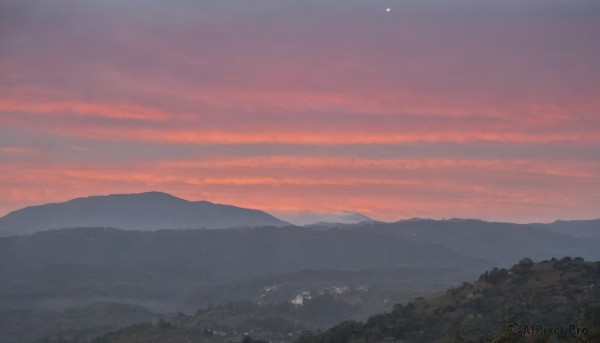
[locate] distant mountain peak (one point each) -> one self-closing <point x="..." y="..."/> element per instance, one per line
<point x="156" y="194"/>
<point x="139" y="211"/>
<point x="327" y="218"/>
<point x="458" y="220"/>
<point x="144" y="195"/>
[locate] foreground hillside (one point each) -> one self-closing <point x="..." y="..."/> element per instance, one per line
<point x="557" y="300"/>
<point x="550" y="301"/>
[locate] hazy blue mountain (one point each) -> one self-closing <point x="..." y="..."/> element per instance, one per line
<point x="314" y="218"/>
<point x="493" y="241"/>
<point x="145" y="211"/>
<point x="576" y="228"/>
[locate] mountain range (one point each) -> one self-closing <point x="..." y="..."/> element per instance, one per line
<point x="577" y="228"/>
<point x="168" y="254"/>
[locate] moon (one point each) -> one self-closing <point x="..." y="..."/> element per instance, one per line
<point x="388" y="9"/>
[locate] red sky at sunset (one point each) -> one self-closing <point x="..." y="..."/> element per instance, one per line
<point x="479" y="109"/>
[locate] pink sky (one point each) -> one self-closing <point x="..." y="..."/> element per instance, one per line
<point x="436" y="109"/>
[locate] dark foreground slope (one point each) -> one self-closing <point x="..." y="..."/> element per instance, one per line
<point x="523" y="304"/>
<point x="526" y="303"/>
<point x="145" y="211"/>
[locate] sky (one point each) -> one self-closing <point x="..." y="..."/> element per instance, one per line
<point x="439" y="109"/>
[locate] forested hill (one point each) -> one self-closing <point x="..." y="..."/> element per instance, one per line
<point x="171" y="269"/>
<point x="501" y="307"/>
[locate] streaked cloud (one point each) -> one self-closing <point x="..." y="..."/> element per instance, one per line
<point x="19" y="150"/>
<point x="452" y="108"/>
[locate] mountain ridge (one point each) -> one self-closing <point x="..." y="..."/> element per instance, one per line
<point x="138" y="211"/>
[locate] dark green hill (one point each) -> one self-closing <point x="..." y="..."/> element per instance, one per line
<point x="529" y="299"/>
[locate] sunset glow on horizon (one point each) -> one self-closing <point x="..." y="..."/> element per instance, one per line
<point x="436" y="109"/>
